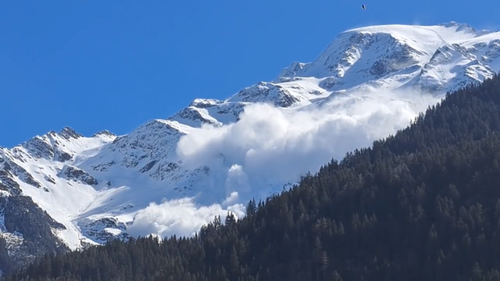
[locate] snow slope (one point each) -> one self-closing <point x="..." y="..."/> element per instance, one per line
<point x="170" y="176"/>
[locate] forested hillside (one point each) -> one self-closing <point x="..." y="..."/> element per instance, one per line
<point x="421" y="205"/>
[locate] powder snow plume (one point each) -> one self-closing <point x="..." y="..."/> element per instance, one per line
<point x="272" y="146"/>
<point x="180" y="217"/>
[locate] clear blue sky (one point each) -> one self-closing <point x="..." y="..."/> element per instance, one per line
<point x="95" y="65"/>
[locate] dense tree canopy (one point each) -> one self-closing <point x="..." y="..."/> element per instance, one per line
<point x="421" y="205"/>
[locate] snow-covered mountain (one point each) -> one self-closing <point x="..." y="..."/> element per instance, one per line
<point x="170" y="176"/>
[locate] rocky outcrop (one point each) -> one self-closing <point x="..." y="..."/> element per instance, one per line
<point x="103" y="230"/>
<point x="76" y="174"/>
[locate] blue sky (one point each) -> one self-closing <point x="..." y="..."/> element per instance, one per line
<point x="95" y="65"/>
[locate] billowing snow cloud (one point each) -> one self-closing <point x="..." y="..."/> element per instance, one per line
<point x="271" y="146"/>
<point x="181" y="217"/>
<point x="276" y="145"/>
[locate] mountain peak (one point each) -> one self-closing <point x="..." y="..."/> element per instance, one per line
<point x="204" y="103"/>
<point x="104" y="133"/>
<point x="369" y="54"/>
<point x="459" y="26"/>
<point x="68" y="133"/>
<point x="266" y="92"/>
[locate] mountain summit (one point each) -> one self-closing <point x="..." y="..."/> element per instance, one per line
<point x="170" y="176"/>
<point x="434" y="58"/>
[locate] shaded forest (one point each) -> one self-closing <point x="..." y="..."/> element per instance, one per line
<point x="423" y="204"/>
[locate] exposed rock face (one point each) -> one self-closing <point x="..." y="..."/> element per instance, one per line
<point x="75" y="174"/>
<point x="26" y="232"/>
<point x="104" y="230"/>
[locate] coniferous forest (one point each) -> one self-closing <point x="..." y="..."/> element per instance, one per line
<point x="421" y="205"/>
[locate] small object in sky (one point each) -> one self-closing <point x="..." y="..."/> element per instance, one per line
<point x="363" y="7"/>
